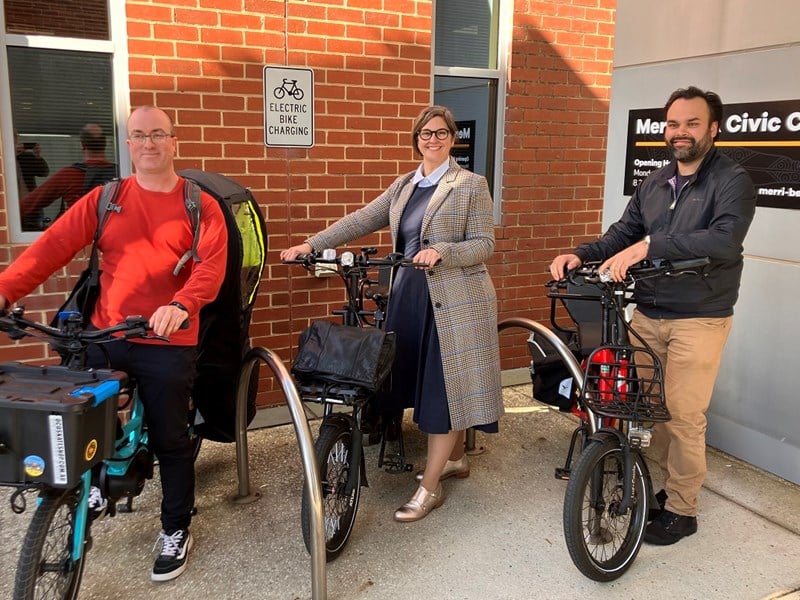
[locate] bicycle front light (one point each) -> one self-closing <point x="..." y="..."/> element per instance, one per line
<point x="348" y="259"/>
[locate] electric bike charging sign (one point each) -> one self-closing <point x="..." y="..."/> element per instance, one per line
<point x="288" y="107"/>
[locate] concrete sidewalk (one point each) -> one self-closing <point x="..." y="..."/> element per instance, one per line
<point x="498" y="535"/>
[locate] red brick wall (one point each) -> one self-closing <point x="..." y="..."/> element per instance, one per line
<point x="202" y="61"/>
<point x="554" y="154"/>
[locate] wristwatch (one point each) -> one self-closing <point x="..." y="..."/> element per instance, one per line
<point x="181" y="306"/>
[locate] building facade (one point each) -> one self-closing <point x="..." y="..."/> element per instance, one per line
<point x="528" y="80"/>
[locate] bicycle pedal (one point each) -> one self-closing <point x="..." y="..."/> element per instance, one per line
<point x="562" y="473"/>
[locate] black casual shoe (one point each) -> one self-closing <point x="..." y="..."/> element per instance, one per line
<point x="171" y="562"/>
<point x="669" y="528"/>
<point x="655" y="512"/>
<point x="97" y="504"/>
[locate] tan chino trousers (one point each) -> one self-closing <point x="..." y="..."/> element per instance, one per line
<point x="690" y="351"/>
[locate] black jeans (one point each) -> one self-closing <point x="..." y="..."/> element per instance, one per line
<point x="164" y="376"/>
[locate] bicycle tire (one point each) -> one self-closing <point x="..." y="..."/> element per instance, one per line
<point x="601" y="543"/>
<point x="333" y="454"/>
<point x="46" y="569"/>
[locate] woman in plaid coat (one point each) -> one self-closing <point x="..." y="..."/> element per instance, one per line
<point x="445" y="315"/>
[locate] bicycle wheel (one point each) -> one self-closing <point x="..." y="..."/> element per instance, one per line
<point x="46" y="569"/>
<point x="602" y="542"/>
<point x="333" y="451"/>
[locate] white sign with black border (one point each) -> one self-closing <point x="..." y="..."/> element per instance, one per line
<point x="288" y="107"/>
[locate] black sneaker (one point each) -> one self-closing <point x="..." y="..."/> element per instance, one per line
<point x="669" y="528"/>
<point x="655" y="512"/>
<point x="97" y="504"/>
<point x="171" y="561"/>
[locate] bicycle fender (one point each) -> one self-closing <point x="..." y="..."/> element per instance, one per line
<point x="606" y="434"/>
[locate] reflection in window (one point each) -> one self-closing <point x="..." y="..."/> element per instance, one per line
<point x="466" y="33"/>
<point x="85" y="19"/>
<point x="473" y="102"/>
<point x="54" y="95"/>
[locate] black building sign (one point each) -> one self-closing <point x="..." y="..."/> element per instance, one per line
<point x="764" y="137"/>
<point x="464" y="149"/>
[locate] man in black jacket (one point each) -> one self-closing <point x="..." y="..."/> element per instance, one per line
<point x="701" y="204"/>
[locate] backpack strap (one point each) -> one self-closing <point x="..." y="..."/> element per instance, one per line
<point x="106" y="204"/>
<point x="191" y="201"/>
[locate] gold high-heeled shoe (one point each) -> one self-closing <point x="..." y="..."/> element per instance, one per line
<point x="421" y="503"/>
<point x="452" y="468"/>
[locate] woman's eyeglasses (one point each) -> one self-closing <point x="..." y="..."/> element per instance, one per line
<point x="441" y="134"/>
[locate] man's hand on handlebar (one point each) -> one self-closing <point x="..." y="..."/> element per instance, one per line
<point x="617" y="266"/>
<point x="168" y="319"/>
<point x="563" y="263"/>
<point x="295" y="251"/>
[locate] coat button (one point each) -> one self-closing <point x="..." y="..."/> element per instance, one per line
<point x="426" y="242"/>
<point x="430" y="272"/>
<point x="437" y="304"/>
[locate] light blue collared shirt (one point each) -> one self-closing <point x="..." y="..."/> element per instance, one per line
<point x="421" y="181"/>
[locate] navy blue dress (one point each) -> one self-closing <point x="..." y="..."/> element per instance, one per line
<point x="417" y="375"/>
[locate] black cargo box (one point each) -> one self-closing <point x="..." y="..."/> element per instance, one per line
<point x="55" y="423"/>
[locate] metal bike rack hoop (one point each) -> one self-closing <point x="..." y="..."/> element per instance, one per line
<point x="307" y="455"/>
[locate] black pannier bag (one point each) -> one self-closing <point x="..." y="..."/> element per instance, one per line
<point x="552" y="381"/>
<point x="224" y="337"/>
<point x="334" y="354"/>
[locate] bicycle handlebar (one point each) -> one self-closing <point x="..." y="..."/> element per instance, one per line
<point x="73" y="339"/>
<point x="644" y="270"/>
<point x="349" y="259"/>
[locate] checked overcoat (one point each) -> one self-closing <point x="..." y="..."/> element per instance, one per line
<point x="458" y="224"/>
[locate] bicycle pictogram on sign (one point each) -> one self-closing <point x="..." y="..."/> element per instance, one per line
<point x="290" y="87"/>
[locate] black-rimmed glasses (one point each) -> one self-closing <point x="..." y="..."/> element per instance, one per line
<point x="441" y="134"/>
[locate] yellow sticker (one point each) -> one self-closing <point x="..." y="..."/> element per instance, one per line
<point x="91" y="450"/>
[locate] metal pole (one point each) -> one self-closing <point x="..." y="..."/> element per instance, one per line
<point x="564" y="352"/>
<point x="246" y="494"/>
<point x="566" y="355"/>
<point x="307" y="455"/>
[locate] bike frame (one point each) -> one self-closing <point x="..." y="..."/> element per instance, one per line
<point x="134" y="435"/>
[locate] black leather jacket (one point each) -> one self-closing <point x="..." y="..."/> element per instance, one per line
<point x="710" y="217"/>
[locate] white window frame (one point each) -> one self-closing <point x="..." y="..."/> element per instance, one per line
<point x="500" y="74"/>
<point x="117" y="47"/>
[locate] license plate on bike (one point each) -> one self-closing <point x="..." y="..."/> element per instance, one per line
<point x="55" y="423"/>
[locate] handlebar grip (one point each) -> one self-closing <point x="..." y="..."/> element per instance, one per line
<point x="690" y="263"/>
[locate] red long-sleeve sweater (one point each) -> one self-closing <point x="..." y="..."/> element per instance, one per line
<point x="140" y="247"/>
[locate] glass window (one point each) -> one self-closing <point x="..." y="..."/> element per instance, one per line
<point x="469" y="72"/>
<point x="86" y="19"/>
<point x="61" y="106"/>
<point x="473" y="102"/>
<point x="466" y="33"/>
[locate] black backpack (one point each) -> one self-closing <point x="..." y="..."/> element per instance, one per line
<point x="224" y="336"/>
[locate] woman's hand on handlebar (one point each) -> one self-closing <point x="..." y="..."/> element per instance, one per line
<point x="617" y="266"/>
<point x="428" y="257"/>
<point x="563" y="263"/>
<point x="295" y="251"/>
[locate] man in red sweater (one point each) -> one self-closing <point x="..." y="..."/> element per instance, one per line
<point x="140" y="246"/>
<point x="70" y="183"/>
